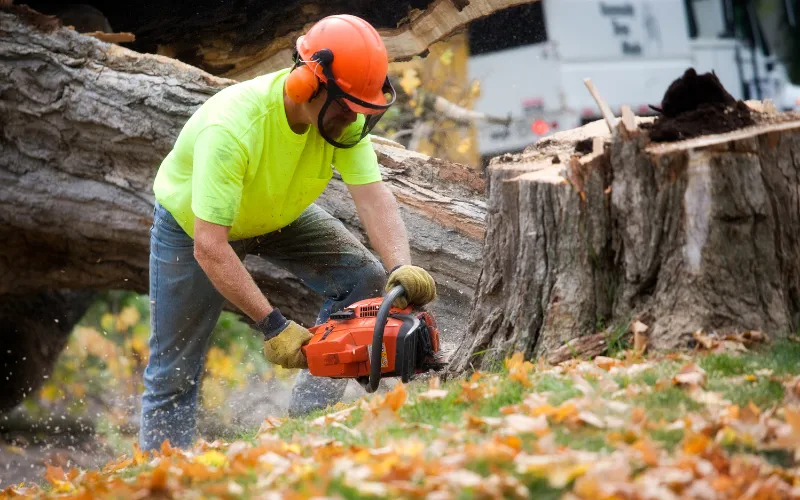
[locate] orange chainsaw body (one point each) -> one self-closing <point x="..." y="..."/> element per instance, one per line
<point x="342" y="346"/>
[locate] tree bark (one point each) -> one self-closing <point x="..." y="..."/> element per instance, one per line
<point x="685" y="236"/>
<point x="84" y="126"/>
<point x="240" y="39"/>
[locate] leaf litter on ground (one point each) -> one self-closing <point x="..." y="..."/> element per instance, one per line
<point x="623" y="427"/>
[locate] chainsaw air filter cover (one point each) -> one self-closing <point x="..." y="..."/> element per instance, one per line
<point x="342" y="346"/>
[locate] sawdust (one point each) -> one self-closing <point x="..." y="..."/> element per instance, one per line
<point x="696" y="105"/>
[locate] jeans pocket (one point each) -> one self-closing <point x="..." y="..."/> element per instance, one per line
<point x="168" y="231"/>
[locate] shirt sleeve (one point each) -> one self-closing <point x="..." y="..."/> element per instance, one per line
<point x="219" y="166"/>
<point x="359" y="164"/>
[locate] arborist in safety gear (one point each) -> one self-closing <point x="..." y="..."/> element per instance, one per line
<point x="241" y="180"/>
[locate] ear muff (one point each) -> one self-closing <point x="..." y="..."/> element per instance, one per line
<point x="302" y="84"/>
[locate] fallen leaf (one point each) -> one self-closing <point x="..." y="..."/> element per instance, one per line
<point x="591" y="419"/>
<point x="523" y="424"/>
<point x="695" y="444"/>
<point x="339" y="416"/>
<point x="53" y="474"/>
<point x="606" y="363"/>
<point x="704" y="340"/>
<point x="690" y="375"/>
<point x="270" y="424"/>
<point x="432" y="394"/>
<point x="639" y="330"/>
<point x="648" y="451"/>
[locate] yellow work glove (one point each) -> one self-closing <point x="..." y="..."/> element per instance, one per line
<point x="419" y="285"/>
<point x="283" y="340"/>
<point x="284" y="350"/>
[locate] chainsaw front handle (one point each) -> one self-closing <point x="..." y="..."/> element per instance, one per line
<point x="377" y="337"/>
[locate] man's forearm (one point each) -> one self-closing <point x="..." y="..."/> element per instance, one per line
<point x="387" y="231"/>
<point x="229" y="276"/>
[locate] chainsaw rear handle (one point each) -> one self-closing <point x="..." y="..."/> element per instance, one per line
<point x="377" y="337"/>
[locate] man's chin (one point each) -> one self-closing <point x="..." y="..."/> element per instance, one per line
<point x="335" y="132"/>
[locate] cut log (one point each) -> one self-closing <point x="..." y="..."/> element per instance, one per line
<point x="241" y="39"/>
<point x="84" y="126"/>
<point x="697" y="235"/>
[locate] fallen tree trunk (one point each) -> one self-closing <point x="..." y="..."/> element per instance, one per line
<point x="83" y="128"/>
<point x="241" y="39"/>
<point x="701" y="234"/>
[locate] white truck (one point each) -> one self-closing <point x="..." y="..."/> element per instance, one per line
<point x="632" y="50"/>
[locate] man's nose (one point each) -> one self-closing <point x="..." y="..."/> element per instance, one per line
<point x="349" y="114"/>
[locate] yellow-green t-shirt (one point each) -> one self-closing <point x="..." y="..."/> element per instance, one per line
<point x="237" y="163"/>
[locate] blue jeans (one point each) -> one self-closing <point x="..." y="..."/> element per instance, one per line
<point x="185" y="307"/>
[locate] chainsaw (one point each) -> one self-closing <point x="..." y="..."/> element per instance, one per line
<point x="371" y="339"/>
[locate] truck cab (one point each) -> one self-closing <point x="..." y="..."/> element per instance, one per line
<point x="631" y="49"/>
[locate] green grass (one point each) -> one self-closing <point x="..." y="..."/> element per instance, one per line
<point x="667" y="404"/>
<point x="763" y="393"/>
<point x="781" y="357"/>
<point x="509" y="393"/>
<point x="668" y="438"/>
<point x="585" y="438"/>
<point x="726" y="373"/>
<point x="723" y="365"/>
<point x="561" y="389"/>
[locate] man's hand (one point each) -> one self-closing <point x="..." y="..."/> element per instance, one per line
<point x="285" y="349"/>
<point x="283" y="340"/>
<point x="419" y="285"/>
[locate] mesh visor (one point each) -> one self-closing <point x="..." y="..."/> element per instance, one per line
<point x="339" y="122"/>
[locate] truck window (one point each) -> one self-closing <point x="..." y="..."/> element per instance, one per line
<point x="509" y="28"/>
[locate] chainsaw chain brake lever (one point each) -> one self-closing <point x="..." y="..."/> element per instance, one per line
<point x="377" y="337"/>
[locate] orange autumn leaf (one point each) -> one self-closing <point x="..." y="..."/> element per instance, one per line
<point x="565" y="411"/>
<point x="167" y="449"/>
<point x="638" y="415"/>
<point x="199" y="472"/>
<point x="395" y="398"/>
<point x="648" y="451"/>
<point x="792" y="417"/>
<point x="690" y="375"/>
<point x="140" y="457"/>
<point x="121" y="463"/>
<point x="471" y="391"/>
<point x="53" y="474"/>
<point x="519" y="369"/>
<point x="158" y="478"/>
<point x="694" y="444"/>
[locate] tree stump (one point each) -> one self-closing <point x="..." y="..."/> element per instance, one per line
<point x="699" y="234"/>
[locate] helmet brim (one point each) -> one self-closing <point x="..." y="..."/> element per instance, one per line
<point x="379" y="100"/>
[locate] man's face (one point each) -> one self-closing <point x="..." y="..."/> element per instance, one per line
<point x="337" y="117"/>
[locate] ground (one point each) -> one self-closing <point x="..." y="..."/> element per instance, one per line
<point x="722" y="422"/>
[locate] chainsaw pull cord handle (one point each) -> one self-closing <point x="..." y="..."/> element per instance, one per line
<point x="377" y="337"/>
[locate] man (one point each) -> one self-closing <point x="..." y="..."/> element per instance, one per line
<point x="241" y="179"/>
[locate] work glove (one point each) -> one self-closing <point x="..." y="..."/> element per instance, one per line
<point x="283" y="340"/>
<point x="419" y="285"/>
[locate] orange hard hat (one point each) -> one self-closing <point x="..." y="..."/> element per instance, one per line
<point x="360" y="61"/>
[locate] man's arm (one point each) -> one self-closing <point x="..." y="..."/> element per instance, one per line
<point x="380" y="217"/>
<point x="226" y="272"/>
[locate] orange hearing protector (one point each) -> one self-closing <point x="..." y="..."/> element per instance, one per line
<point x="302" y="84"/>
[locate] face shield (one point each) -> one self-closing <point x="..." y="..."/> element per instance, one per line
<point x="345" y="119"/>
